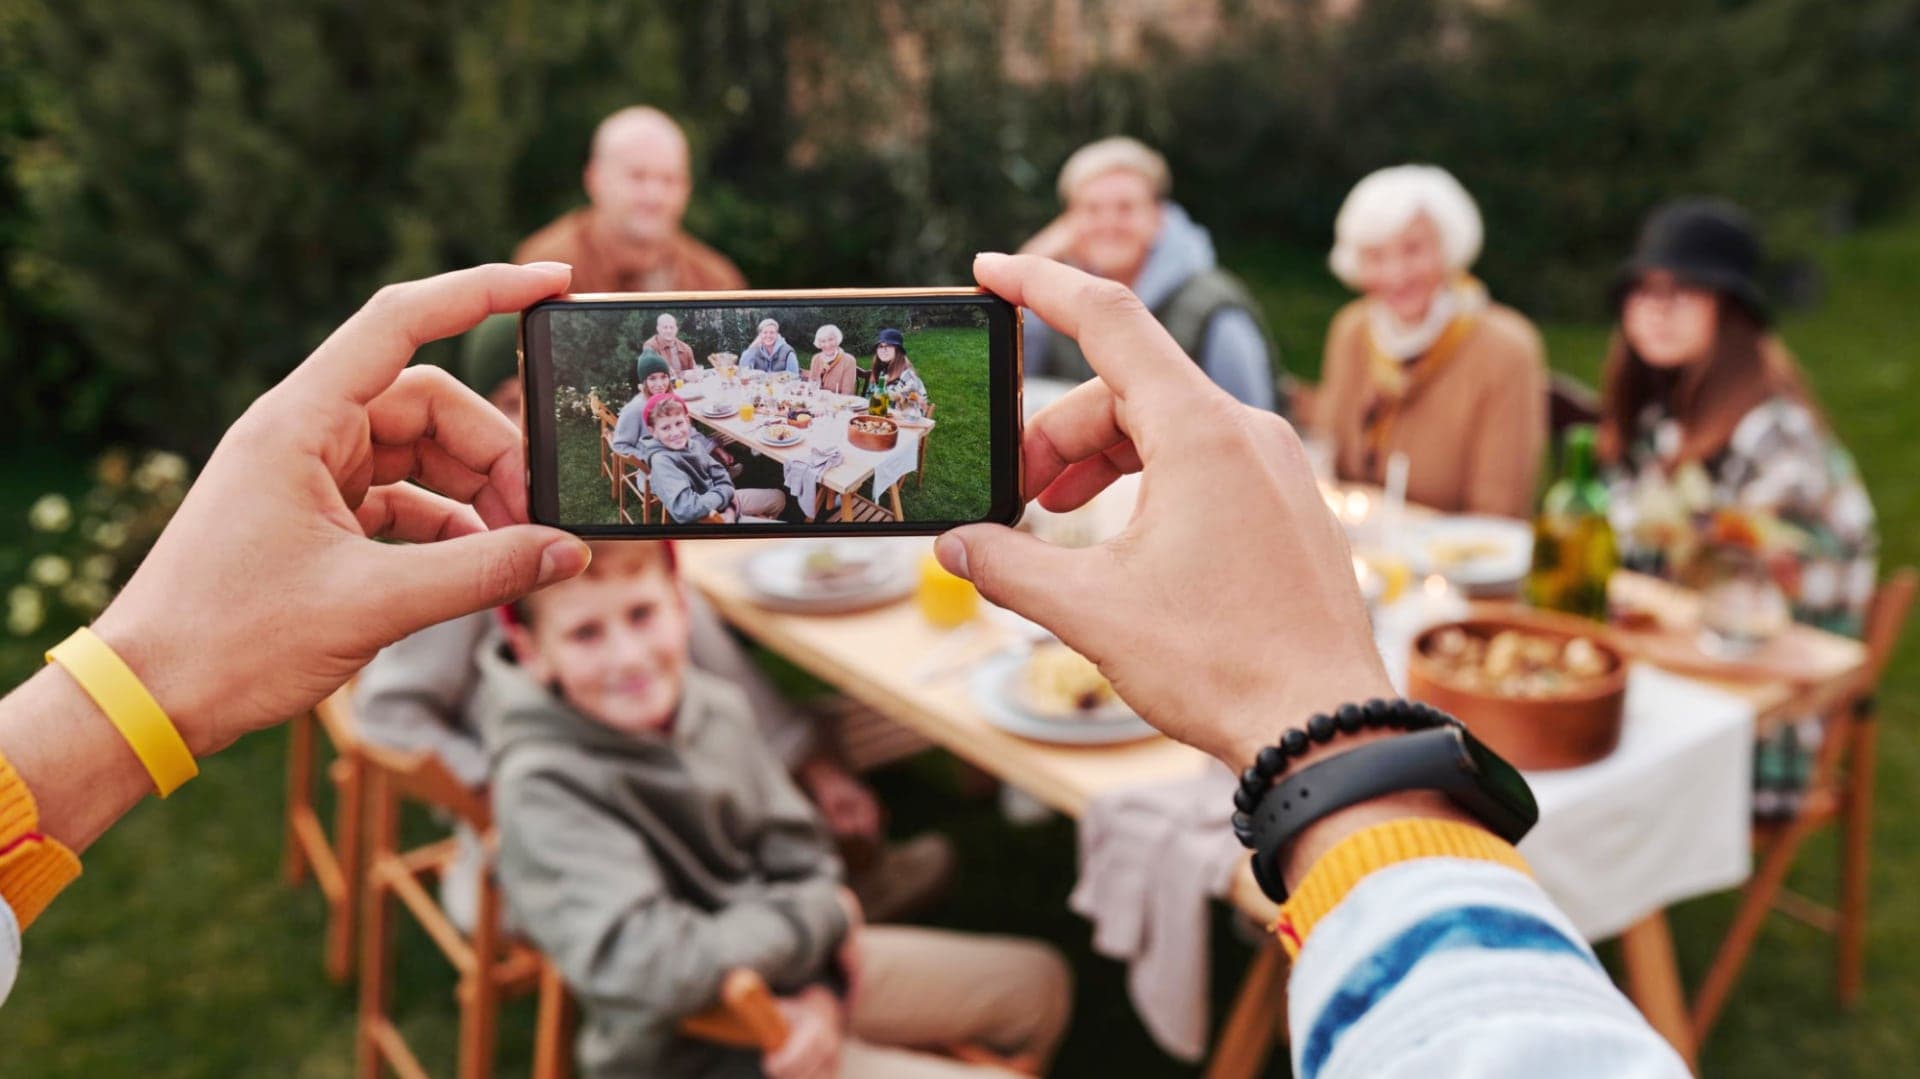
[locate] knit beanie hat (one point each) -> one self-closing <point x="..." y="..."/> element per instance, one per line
<point x="490" y="354"/>
<point x="652" y="363"/>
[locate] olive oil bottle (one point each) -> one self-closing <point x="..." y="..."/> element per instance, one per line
<point x="1574" y="553"/>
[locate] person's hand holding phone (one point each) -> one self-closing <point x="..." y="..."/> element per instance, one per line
<point x="1227" y="610"/>
<point x="268" y="589"/>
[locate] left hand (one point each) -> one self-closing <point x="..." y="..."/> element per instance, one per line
<point x="815" y="1034"/>
<point x="848" y="805"/>
<point x="268" y="589"/>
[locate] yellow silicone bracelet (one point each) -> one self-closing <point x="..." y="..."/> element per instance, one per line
<point x="121" y="695"/>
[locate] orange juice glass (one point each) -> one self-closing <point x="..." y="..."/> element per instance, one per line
<point x="946" y="600"/>
<point x="746" y="412"/>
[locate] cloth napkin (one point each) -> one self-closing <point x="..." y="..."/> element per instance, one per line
<point x="900" y="461"/>
<point x="802" y="475"/>
<point x="1151" y="860"/>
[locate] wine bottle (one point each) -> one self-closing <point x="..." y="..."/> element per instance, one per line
<point x="1574" y="552"/>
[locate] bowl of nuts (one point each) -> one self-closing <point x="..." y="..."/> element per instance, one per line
<point x="872" y="433"/>
<point x="1542" y="690"/>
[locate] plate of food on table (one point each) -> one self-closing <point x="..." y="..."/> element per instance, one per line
<point x="780" y="435"/>
<point x="1050" y="693"/>
<point x="1476" y="553"/>
<point x="829" y="576"/>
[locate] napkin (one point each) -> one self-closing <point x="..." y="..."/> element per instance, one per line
<point x="802" y="476"/>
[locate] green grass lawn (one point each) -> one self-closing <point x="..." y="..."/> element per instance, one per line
<point x="180" y="953"/>
<point x="958" y="483"/>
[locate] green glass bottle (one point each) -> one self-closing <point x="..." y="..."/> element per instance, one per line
<point x="1574" y="553"/>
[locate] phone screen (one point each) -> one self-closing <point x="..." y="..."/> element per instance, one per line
<point x="772" y="413"/>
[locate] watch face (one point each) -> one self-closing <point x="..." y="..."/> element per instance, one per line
<point x="1498" y="778"/>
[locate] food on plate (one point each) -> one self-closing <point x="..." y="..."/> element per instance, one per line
<point x="833" y="565"/>
<point x="1517" y="663"/>
<point x="1446" y="554"/>
<point x="780" y="432"/>
<point x="1062" y="683"/>
<point x="801" y="419"/>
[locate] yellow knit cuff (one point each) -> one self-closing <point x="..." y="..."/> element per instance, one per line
<point x="1375" y="848"/>
<point x="33" y="867"/>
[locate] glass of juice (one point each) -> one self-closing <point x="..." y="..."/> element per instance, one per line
<point x="746" y="412"/>
<point x="946" y="600"/>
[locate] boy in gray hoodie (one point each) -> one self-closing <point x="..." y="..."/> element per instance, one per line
<point x="650" y="843"/>
<point x="686" y="478"/>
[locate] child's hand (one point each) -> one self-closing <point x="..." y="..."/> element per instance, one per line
<point x="815" y="1031"/>
<point x="849" y="806"/>
<point x="848" y="954"/>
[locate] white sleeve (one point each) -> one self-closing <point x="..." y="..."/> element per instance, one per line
<point x="1444" y="967"/>
<point x="9" y="950"/>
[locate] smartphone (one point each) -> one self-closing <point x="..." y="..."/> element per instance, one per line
<point x="830" y="412"/>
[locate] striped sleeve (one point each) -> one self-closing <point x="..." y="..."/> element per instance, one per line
<point x="1459" y="966"/>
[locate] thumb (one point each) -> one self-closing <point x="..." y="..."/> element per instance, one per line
<point x="429" y="583"/>
<point x="1026" y="575"/>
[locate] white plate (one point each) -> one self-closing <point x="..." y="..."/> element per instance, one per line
<point x="997" y="694"/>
<point x="766" y="438"/>
<point x="776" y="576"/>
<point x="1508" y="555"/>
<point x="717" y="414"/>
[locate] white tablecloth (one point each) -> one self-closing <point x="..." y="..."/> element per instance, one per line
<point x="1666" y="816"/>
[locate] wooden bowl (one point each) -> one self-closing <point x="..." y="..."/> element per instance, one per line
<point x="1569" y="728"/>
<point x="884" y="439"/>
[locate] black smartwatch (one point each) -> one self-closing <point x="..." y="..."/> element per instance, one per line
<point x="1443" y="757"/>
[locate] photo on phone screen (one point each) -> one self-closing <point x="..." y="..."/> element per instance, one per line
<point x="772" y="413"/>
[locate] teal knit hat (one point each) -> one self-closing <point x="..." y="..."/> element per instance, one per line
<point x="652" y="363"/>
<point x="490" y="354"/>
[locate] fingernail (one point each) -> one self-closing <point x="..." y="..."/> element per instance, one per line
<point x="978" y="255"/>
<point x="563" y="559"/>
<point x="953" y="555"/>
<point x="550" y="267"/>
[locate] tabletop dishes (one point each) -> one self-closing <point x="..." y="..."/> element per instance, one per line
<point x="1049" y="693"/>
<point x="779" y="435"/>
<point x="1477" y="554"/>
<point x="873" y="433"/>
<point x="1543" y="690"/>
<point x="828" y="576"/>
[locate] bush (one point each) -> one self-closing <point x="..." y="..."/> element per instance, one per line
<point x="199" y="191"/>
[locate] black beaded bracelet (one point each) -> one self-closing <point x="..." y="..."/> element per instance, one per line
<point x="1295" y="742"/>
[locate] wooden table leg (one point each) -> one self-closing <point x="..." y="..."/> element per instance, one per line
<point x="894" y="496"/>
<point x="846" y="506"/>
<point x="1259" y="1015"/>
<point x="1653" y="982"/>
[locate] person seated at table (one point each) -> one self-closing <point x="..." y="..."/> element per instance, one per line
<point x="1122" y="223"/>
<point x="650" y="843"/>
<point x="832" y="367"/>
<point x="666" y="341"/>
<point x="630" y="430"/>
<point x="415" y="696"/>
<point x="684" y="476"/>
<point x="770" y="352"/>
<point x="1424" y="363"/>
<point x="893" y="373"/>
<point x="1705" y="415"/>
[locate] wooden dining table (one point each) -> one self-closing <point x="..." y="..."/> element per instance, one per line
<point x="938" y="706"/>
<point x="826" y="430"/>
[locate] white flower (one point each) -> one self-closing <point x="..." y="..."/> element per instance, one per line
<point x="50" y="570"/>
<point x="26" y="610"/>
<point x="50" y="513"/>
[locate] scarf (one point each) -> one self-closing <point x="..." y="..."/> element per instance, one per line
<point x="1401" y="359"/>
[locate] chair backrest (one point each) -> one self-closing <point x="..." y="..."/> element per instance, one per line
<point x="600" y="410"/>
<point x="422" y="776"/>
<point x="745" y="1018"/>
<point x="1886" y="618"/>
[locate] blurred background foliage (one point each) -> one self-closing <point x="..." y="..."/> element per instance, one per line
<point x="194" y="191"/>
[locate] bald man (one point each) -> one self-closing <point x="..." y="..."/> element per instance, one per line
<point x="638" y="180"/>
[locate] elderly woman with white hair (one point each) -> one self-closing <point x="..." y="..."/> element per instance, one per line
<point x="1120" y="224"/>
<point x="833" y="367"/>
<point x="770" y="351"/>
<point x="1424" y="363"/>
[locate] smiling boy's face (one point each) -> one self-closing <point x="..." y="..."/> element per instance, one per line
<point x="613" y="641"/>
<point x="673" y="429"/>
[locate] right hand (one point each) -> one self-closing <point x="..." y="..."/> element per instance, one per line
<point x="816" y="1029"/>
<point x="1227" y="610"/>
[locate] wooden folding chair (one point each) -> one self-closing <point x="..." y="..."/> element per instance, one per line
<point x="748" y="1018"/>
<point x="635" y="476"/>
<point x="492" y="965"/>
<point x="335" y="861"/>
<point x="920" y="471"/>
<point x="1840" y="789"/>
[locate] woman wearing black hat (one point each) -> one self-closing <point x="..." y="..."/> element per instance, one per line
<point x="892" y="372"/>
<point x="1705" y="415"/>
